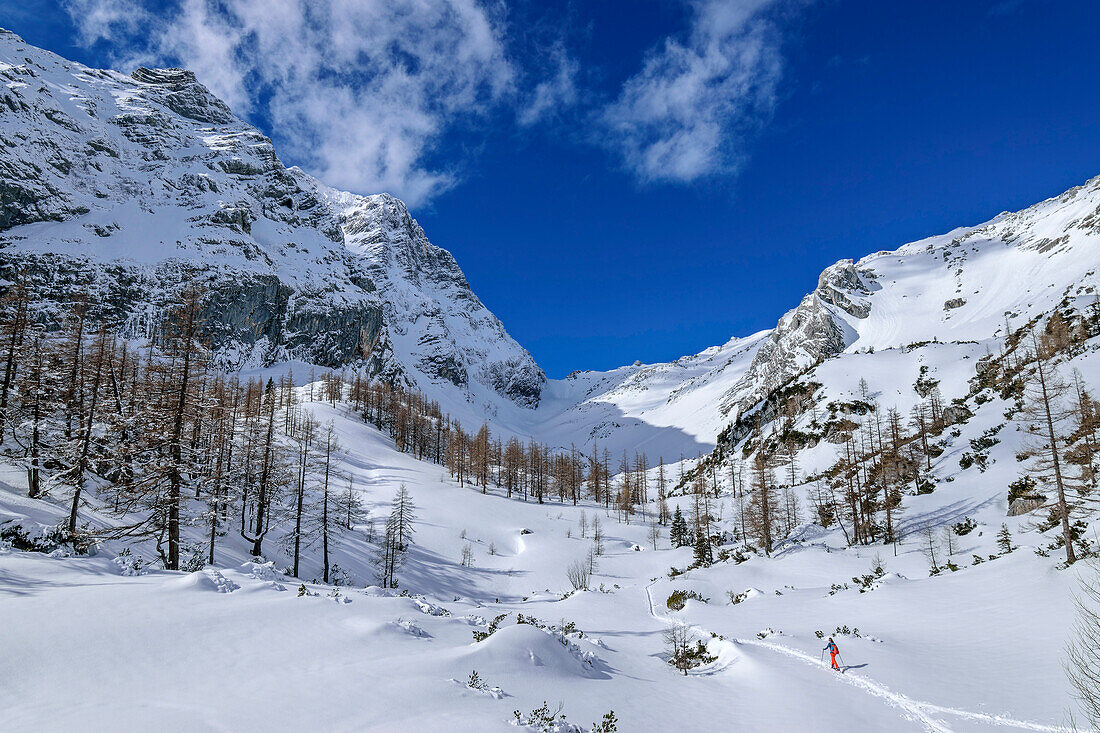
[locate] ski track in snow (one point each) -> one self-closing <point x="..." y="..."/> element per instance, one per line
<point x="916" y="710"/>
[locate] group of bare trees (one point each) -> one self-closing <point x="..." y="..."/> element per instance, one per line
<point x="527" y="470"/>
<point x="164" y="440"/>
<point x="1060" y="418"/>
<point x="886" y="454"/>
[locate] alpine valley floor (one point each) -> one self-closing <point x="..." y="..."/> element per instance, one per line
<point x="238" y="647"/>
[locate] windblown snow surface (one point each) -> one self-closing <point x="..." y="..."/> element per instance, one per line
<point x="234" y="647"/>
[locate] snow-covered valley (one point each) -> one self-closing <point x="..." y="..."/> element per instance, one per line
<point x="235" y="646"/>
<point x="214" y="363"/>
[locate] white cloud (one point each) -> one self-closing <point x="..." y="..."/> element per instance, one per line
<point x="105" y="19"/>
<point x="357" y="91"/>
<point x="684" y="114"/>
<point x="360" y="92"/>
<point x="554" y="93"/>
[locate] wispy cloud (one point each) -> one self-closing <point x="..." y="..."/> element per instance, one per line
<point x="362" y="92"/>
<point x="555" y="92"/>
<point x="685" y="114"/>
<point x="357" y="91"/>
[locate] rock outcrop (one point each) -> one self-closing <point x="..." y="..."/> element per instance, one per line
<point x="126" y="189"/>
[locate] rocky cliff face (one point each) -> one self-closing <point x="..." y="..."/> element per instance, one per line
<point x="806" y="335"/>
<point x="127" y="188"/>
<point x="938" y="303"/>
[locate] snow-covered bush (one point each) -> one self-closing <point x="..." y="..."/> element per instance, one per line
<point x="37" y="538"/>
<point x="129" y="564"/>
<point x="493" y="626"/>
<point x="964" y="527"/>
<point x="543" y="720"/>
<point x="679" y="598"/>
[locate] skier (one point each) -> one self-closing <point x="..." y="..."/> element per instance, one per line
<point x="833" y="651"/>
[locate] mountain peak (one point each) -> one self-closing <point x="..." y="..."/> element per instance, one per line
<point x="132" y="186"/>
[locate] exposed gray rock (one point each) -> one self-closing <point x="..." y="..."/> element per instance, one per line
<point x="148" y="183"/>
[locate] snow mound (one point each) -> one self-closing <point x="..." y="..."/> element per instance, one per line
<point x="221" y="583"/>
<point x="494" y="692"/>
<point x="130" y="564"/>
<point x="198" y="580"/>
<point x="260" y="570"/>
<point x="525" y="647"/>
<point x="209" y="579"/>
<point x="411" y="628"/>
<point x="430" y="609"/>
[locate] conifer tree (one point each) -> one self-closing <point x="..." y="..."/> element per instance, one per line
<point x="678" y="534"/>
<point x="1004" y="539"/>
<point x="703" y="552"/>
<point x="397" y="539"/>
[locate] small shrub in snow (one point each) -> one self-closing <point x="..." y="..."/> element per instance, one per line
<point x="736" y="598"/>
<point x="684" y="650"/>
<point x="845" y="631"/>
<point x="431" y="609"/>
<point x="545" y="721"/>
<point x="1024" y="488"/>
<point x="411" y="628"/>
<point x="260" y="570"/>
<point x="37" y="539"/>
<point x="578" y="575"/>
<point x="738" y="556"/>
<point x="866" y="583"/>
<point x="475" y="682"/>
<point x="339" y="577"/>
<point x="609" y="724"/>
<point x="1004" y="539"/>
<point x="196" y="559"/>
<point x="129" y="564"/>
<point x="819" y="634"/>
<point x="492" y="629"/>
<point x="567" y="628"/>
<point x="679" y="598"/>
<point x="964" y="527"/>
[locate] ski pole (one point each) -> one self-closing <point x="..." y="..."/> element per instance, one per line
<point x="823" y="656"/>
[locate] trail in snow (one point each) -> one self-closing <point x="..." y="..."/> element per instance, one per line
<point x="917" y="710"/>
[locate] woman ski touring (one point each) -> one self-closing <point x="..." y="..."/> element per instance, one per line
<point x="833" y="652"/>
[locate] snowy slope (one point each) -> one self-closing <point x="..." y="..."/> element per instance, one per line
<point x="953" y="288"/>
<point x="235" y="647"/>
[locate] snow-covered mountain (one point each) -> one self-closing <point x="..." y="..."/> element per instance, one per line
<point x="127" y="187"/>
<point x="959" y="290"/>
<point x="124" y="188"/>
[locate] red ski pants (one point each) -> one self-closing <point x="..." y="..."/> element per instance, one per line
<point x="832" y="658"/>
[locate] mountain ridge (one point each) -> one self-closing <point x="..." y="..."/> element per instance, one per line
<point x="128" y="186"/>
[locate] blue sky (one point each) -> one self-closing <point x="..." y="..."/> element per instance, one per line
<point x="641" y="180"/>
